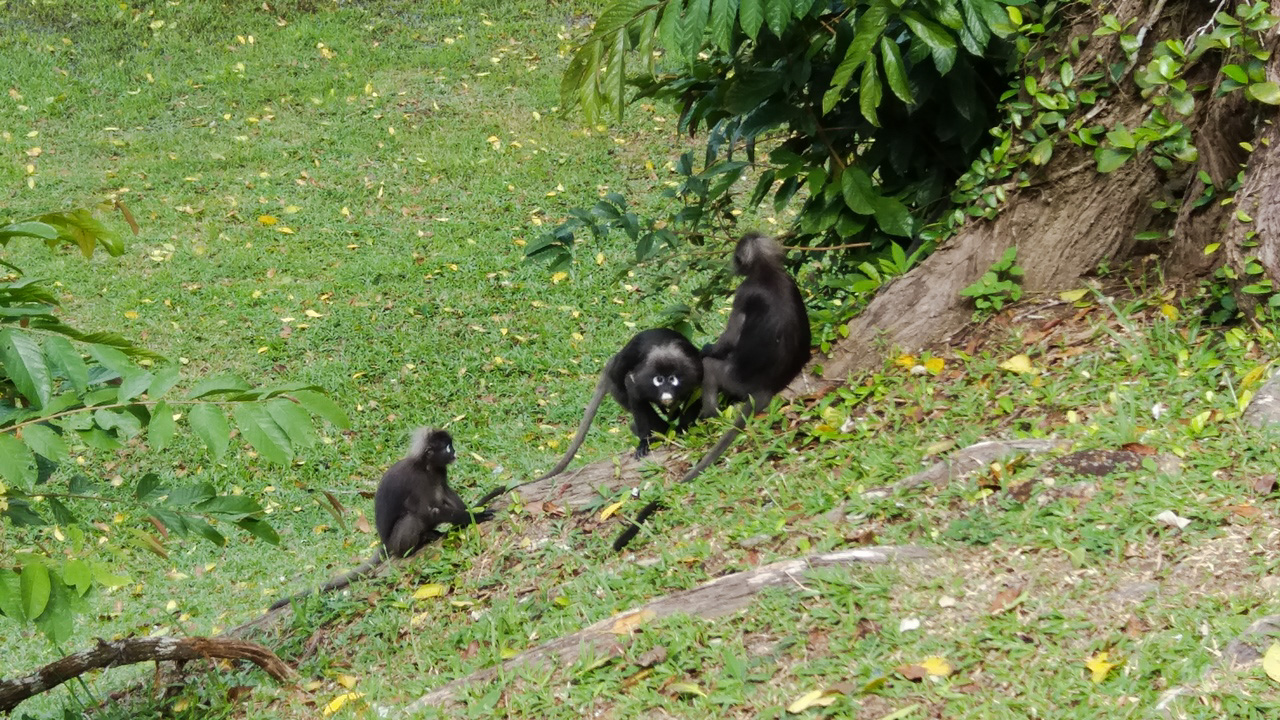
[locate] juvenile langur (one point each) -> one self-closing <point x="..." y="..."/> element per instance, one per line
<point x="765" y="344"/>
<point x="653" y="375"/>
<point x="412" y="499"/>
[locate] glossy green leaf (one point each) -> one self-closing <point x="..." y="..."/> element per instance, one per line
<point x="45" y="441"/>
<point x="77" y="574"/>
<point x="17" y="464"/>
<point x="11" y="596"/>
<point x="693" y="27"/>
<point x="619" y="14"/>
<point x="164" y="380"/>
<point x="893" y="217"/>
<point x="220" y="385"/>
<point x="724" y="16"/>
<point x="161" y="429"/>
<point x="23" y="361"/>
<point x="894" y="71"/>
<point x="35" y="588"/>
<point x="112" y="358"/>
<point x="260" y="528"/>
<point x="870" y="92"/>
<point x="294" y="420"/>
<point x="1109" y="160"/>
<point x="31" y="228"/>
<point x="64" y="357"/>
<point x="210" y="425"/>
<point x="1237" y="73"/>
<point x="777" y="15"/>
<point x="670" y="30"/>
<point x="751" y="17"/>
<point x="320" y="404"/>
<point x="56" y="622"/>
<point x="1120" y="137"/>
<point x="858" y="193"/>
<point x="940" y="42"/>
<point x="262" y="432"/>
<point x="103" y="576"/>
<point x="867" y="32"/>
<point x="134" y="384"/>
<point x="1265" y="92"/>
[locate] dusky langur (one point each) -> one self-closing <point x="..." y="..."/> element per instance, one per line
<point x="652" y="376"/>
<point x="413" y="497"/>
<point x="765" y="344"/>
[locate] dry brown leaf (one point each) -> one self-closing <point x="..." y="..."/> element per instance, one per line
<point x="1138" y="448"/>
<point x="1005" y="599"/>
<point x="1265" y="484"/>
<point x="914" y="673"/>
<point x="652" y="657"/>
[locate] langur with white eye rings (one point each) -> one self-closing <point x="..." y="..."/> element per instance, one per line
<point x="764" y="346"/>
<point x="654" y="374"/>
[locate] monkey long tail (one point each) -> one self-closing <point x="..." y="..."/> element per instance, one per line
<point x="602" y="387"/>
<point x="339" y="582"/>
<point x="627" y="535"/>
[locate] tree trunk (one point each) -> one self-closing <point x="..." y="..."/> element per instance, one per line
<point x="1070" y="218"/>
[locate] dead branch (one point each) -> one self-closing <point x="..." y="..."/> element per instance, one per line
<point x="136" y="650"/>
<point x="711" y="599"/>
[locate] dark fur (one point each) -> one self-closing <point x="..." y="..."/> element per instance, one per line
<point x="629" y="377"/>
<point x="412" y="499"/>
<point x="765" y="344"/>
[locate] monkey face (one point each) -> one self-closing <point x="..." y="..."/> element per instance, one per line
<point x="441" y="447"/>
<point x="664" y="389"/>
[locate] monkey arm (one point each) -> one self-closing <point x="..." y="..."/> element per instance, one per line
<point x="728" y="339"/>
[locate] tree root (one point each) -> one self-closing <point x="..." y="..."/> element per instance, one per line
<point x="712" y="599"/>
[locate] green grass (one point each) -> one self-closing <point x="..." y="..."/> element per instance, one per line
<point x="422" y="313"/>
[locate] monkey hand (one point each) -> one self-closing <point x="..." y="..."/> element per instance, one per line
<point x="642" y="449"/>
<point x="482" y="515"/>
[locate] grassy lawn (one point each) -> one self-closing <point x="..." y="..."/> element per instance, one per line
<point x="341" y="195"/>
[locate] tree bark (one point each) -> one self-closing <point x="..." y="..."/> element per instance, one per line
<point x="136" y="650"/>
<point x="1069" y="219"/>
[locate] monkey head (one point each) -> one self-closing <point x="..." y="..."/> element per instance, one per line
<point x="666" y="383"/>
<point x="433" y="448"/>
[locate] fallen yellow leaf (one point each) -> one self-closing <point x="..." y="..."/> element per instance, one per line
<point x="267" y="219"/>
<point x="1271" y="662"/>
<point x="905" y="361"/>
<point x="1253" y="376"/>
<point x="627" y="624"/>
<point x="685" y="688"/>
<point x="1169" y="311"/>
<point x="1099" y="667"/>
<point x="813" y="698"/>
<point x="347" y="681"/>
<point x="336" y="704"/>
<point x="934" y="365"/>
<point x="429" y="590"/>
<point x="1020" y="364"/>
<point x="935" y="665"/>
<point x="607" y="512"/>
<point x="559" y="277"/>
<point x="1073" y="295"/>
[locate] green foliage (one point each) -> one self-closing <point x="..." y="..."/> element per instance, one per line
<point x="1000" y="284"/>
<point x="65" y="392"/>
<point x="859" y="114"/>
